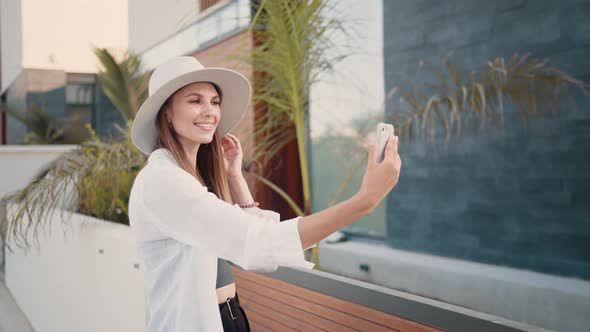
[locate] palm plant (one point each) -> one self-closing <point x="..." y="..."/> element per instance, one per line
<point x="94" y="179"/>
<point x="294" y="44"/>
<point x="43" y="128"/>
<point x="533" y="87"/>
<point x="293" y="39"/>
<point x="125" y="82"/>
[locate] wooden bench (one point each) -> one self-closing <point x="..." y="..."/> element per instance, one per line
<point x="276" y="305"/>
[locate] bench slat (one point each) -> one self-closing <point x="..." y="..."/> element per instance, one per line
<point x="256" y="327"/>
<point x="310" y="319"/>
<point x="297" y="323"/>
<point x="309" y="302"/>
<point x="320" y="309"/>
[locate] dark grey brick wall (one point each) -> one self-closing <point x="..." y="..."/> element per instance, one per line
<point x="508" y="196"/>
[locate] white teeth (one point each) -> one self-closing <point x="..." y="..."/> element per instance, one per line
<point x="205" y="125"/>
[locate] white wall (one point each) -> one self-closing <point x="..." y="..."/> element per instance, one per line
<point x="69" y="285"/>
<point x="181" y="28"/>
<point x="59" y="34"/>
<point x="86" y="280"/>
<point x="10" y="42"/>
<point x="19" y="163"/>
<point x="171" y="17"/>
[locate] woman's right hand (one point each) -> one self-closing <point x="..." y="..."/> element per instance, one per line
<point x="378" y="181"/>
<point x="380" y="178"/>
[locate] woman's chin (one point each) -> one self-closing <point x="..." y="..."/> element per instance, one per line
<point x="200" y="138"/>
<point x="204" y="139"/>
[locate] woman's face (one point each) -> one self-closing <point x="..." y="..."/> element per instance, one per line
<point x="195" y="113"/>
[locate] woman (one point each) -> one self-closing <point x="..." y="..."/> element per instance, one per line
<point x="191" y="210"/>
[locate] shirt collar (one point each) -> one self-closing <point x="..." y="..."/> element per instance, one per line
<point x="163" y="153"/>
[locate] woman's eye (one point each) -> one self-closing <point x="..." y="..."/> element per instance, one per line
<point x="196" y="101"/>
<point x="216" y="103"/>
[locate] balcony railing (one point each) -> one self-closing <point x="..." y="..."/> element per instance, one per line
<point x="205" y="4"/>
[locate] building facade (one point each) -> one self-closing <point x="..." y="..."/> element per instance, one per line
<point x="50" y="62"/>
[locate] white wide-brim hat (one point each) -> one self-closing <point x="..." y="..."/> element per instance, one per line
<point x="174" y="74"/>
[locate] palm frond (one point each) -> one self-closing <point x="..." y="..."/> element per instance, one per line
<point x="95" y="179"/>
<point x="44" y="128"/>
<point x="292" y="40"/>
<point x="124" y="83"/>
<point x="534" y="88"/>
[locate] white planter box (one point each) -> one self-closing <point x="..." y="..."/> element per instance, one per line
<point x="85" y="276"/>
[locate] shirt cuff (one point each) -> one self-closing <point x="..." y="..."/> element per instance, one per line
<point x="292" y="250"/>
<point x="267" y="215"/>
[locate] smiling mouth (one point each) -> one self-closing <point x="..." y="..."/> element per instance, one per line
<point x="204" y="126"/>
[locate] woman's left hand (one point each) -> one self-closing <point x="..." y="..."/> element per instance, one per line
<point x="233" y="156"/>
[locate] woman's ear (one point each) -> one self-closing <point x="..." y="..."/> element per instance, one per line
<point x="166" y="110"/>
<point x="167" y="114"/>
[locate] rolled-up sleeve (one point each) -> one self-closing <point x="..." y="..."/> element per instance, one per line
<point x="266" y="215"/>
<point x="182" y="209"/>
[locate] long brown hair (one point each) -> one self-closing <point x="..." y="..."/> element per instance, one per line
<point x="210" y="163"/>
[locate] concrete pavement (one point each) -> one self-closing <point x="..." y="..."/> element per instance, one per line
<point x="13" y="319"/>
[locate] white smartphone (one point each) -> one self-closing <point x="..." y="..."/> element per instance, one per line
<point x="384" y="131"/>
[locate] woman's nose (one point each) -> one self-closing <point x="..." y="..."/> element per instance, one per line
<point x="208" y="109"/>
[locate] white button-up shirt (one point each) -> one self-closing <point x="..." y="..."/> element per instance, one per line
<point x="181" y="229"/>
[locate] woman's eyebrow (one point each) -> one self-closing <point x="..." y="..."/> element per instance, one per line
<point x="198" y="95"/>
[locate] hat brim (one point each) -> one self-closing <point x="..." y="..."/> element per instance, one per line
<point x="236" y="96"/>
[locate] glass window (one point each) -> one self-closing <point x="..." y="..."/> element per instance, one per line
<point x="344" y="109"/>
<point x="79" y="94"/>
<point x="80" y="107"/>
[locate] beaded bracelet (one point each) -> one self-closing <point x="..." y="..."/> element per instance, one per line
<point x="249" y="205"/>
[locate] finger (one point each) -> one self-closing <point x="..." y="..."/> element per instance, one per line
<point x="390" y="147"/>
<point x="236" y="141"/>
<point x="224" y="143"/>
<point x="230" y="142"/>
<point x="372" y="155"/>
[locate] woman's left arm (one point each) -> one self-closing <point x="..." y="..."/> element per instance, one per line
<point x="233" y="156"/>
<point x="239" y="190"/>
<point x="241" y="195"/>
<point x="238" y="187"/>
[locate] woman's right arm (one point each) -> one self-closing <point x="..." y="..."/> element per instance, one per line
<point x="378" y="181"/>
<point x="176" y="204"/>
